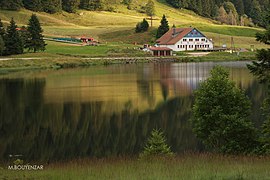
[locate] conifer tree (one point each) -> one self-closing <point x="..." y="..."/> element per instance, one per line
<point x="163" y="28"/>
<point x="13" y="42"/>
<point x="52" y="6"/>
<point x="2" y="29"/>
<point x="33" y="5"/>
<point x="2" y="46"/>
<point x="11" y="4"/>
<point x="156" y="145"/>
<point x="35" y="41"/>
<point x="70" y="5"/>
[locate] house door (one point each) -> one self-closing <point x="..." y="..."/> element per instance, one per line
<point x="186" y="47"/>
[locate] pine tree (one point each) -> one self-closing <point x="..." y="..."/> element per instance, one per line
<point x="13" y="40"/>
<point x="163" y="28"/>
<point x="70" y="5"/>
<point x="52" y="6"/>
<point x="11" y="4"/>
<point x="33" y="5"/>
<point x="35" y="41"/>
<point x="2" y="46"/>
<point x="2" y="29"/>
<point x="156" y="145"/>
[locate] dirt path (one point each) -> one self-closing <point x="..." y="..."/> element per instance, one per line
<point x="7" y="59"/>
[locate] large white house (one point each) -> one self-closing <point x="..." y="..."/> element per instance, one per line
<point x="185" y="39"/>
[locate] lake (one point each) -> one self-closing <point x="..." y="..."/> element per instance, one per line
<point x="106" y="110"/>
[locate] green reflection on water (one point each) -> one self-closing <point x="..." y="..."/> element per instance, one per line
<point x="104" y="111"/>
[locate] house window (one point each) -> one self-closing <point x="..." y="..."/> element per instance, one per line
<point x="203" y="39"/>
<point x="196" y="39"/>
<point x="190" y="39"/>
<point x="184" y="39"/>
<point x="178" y="46"/>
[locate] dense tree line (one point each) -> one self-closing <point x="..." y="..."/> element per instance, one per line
<point x="14" y="40"/>
<point x="231" y="12"/>
<point x="235" y="12"/>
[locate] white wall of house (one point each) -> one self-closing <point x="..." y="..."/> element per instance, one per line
<point x="191" y="44"/>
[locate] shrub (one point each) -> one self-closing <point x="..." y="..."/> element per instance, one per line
<point x="142" y="26"/>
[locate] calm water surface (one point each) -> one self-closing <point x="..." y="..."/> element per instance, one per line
<point x="105" y="111"/>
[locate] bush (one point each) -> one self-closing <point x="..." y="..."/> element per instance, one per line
<point x="221" y="115"/>
<point x="142" y="26"/>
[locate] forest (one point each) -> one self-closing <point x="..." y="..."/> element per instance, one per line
<point x="234" y="12"/>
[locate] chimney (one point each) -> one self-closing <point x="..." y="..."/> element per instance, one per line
<point x="174" y="32"/>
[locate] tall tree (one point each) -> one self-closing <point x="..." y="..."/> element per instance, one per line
<point x="261" y="69"/>
<point x="33" y="5"/>
<point x="70" y="5"/>
<point x="222" y="15"/>
<point x="11" y="4"/>
<point x="2" y="46"/>
<point x="91" y="4"/>
<point x="13" y="40"/>
<point x="2" y="29"/>
<point x="52" y="6"/>
<point x="35" y="41"/>
<point x="150" y="10"/>
<point x="221" y="115"/>
<point x="163" y="28"/>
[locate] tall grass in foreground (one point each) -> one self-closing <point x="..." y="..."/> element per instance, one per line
<point x="186" y="166"/>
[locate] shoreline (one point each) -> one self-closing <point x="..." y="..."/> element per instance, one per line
<point x="14" y="64"/>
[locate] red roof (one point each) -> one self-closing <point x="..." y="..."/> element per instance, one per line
<point x="170" y="38"/>
<point x="160" y="49"/>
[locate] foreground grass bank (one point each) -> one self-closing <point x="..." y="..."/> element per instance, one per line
<point x="189" y="166"/>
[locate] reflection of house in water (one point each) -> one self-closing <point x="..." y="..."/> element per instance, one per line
<point x="142" y="86"/>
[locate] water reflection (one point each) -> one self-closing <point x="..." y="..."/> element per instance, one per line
<point x="104" y="111"/>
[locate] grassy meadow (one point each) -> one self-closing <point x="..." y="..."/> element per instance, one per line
<point x="118" y="26"/>
<point x="188" y="166"/>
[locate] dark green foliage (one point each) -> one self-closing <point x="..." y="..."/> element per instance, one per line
<point x="2" y="46"/>
<point x="52" y="6"/>
<point x="11" y="4"/>
<point x="33" y="5"/>
<point x="266" y="126"/>
<point x="142" y="26"/>
<point x="221" y="115"/>
<point x="163" y="28"/>
<point x="13" y="41"/>
<point x="150" y="8"/>
<point x="24" y="35"/>
<point x="70" y="5"/>
<point x="261" y="69"/>
<point x="156" y="145"/>
<point x="208" y="8"/>
<point x="91" y="4"/>
<point x="2" y="29"/>
<point x="35" y="41"/>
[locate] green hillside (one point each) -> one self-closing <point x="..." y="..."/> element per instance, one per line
<point x="119" y="26"/>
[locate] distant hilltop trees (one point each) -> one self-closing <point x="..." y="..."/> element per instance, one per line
<point x="234" y="12"/>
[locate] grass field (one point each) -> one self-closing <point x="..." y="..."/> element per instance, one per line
<point x="189" y="166"/>
<point x="115" y="30"/>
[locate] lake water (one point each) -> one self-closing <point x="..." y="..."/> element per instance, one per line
<point x="106" y="110"/>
